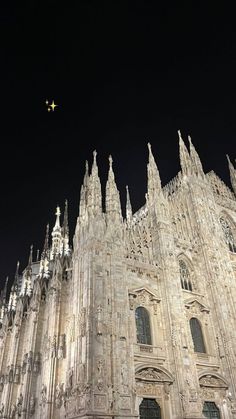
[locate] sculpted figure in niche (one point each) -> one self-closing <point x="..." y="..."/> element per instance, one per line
<point x="70" y="378"/>
<point x="19" y="404"/>
<point x="54" y="347"/>
<point x="2" y="410"/>
<point x="10" y="374"/>
<point x="32" y="405"/>
<point x="17" y="374"/>
<point x="44" y="393"/>
<point x="99" y="320"/>
<point x="13" y="411"/>
<point x="30" y="361"/>
<point x="24" y="364"/>
<point x="37" y="362"/>
<point x="61" y="347"/>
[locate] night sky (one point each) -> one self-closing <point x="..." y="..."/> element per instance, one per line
<point x="122" y="73"/>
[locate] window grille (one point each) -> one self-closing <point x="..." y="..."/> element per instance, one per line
<point x="143" y="326"/>
<point x="197" y="336"/>
<point x="149" y="409"/>
<point x="210" y="410"/>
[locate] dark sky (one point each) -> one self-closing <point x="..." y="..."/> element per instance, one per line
<point x="123" y="73"/>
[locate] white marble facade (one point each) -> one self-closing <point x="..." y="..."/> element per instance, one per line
<point x="141" y="309"/>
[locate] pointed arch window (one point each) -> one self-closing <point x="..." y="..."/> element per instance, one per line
<point x="186" y="283"/>
<point x="229" y="237"/>
<point x="197" y="336"/>
<point x="210" y="410"/>
<point x="143" y="326"/>
<point x="149" y="408"/>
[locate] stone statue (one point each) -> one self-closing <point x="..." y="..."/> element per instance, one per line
<point x="19" y="404"/>
<point x="36" y="362"/>
<point x="54" y="347"/>
<point x="2" y="410"/>
<point x="24" y="363"/>
<point x="70" y="378"/>
<point x="10" y="374"/>
<point x="30" y="361"/>
<point x="17" y="374"/>
<point x="59" y="394"/>
<point x="61" y="347"/>
<point x="44" y="393"/>
<point x="13" y="411"/>
<point x="32" y="405"/>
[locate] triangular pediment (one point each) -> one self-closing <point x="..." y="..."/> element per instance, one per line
<point x="137" y="292"/>
<point x="195" y="302"/>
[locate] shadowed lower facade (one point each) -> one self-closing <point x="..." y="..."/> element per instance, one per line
<point x="138" y="318"/>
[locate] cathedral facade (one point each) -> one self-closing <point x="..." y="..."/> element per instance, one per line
<point x="138" y="318"/>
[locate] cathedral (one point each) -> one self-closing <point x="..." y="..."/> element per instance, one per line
<point x="136" y="319"/>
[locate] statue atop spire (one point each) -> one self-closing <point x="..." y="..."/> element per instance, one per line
<point x="232" y="172"/>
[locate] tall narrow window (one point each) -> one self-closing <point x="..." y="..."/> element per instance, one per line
<point x="197" y="335"/>
<point x="210" y="410"/>
<point x="229" y="238"/>
<point x="185" y="276"/>
<point x="149" y="408"/>
<point x="143" y="326"/>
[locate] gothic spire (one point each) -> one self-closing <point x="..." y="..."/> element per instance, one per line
<point x="154" y="181"/>
<point x="94" y="200"/>
<point x="129" y="212"/>
<point x="232" y="172"/>
<point x="84" y="192"/>
<point x="4" y="292"/>
<point x="195" y="158"/>
<point x="185" y="160"/>
<point x="113" y="207"/>
<point x="17" y="272"/>
<point x="65" y="225"/>
<point x="30" y="261"/>
<point x="65" y="231"/>
<point x="56" y="235"/>
<point x="46" y="243"/>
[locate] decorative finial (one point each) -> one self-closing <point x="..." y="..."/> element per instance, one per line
<point x="179" y="134"/>
<point x="110" y="160"/>
<point x="30" y="256"/>
<point x="149" y="147"/>
<point x="94" y="155"/>
<point x="58" y="212"/>
<point x="37" y="255"/>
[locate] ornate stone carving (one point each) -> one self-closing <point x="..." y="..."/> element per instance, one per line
<point x="43" y="394"/>
<point x="150" y="374"/>
<point x="212" y="381"/>
<point x="19" y="404"/>
<point x="59" y="394"/>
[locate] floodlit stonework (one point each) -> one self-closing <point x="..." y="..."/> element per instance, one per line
<point x="139" y="318"/>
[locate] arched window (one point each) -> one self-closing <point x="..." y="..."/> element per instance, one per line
<point x="143" y="326"/>
<point x="197" y="336"/>
<point x="149" y="408"/>
<point x="210" y="410"/>
<point x="229" y="238"/>
<point x="185" y="276"/>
